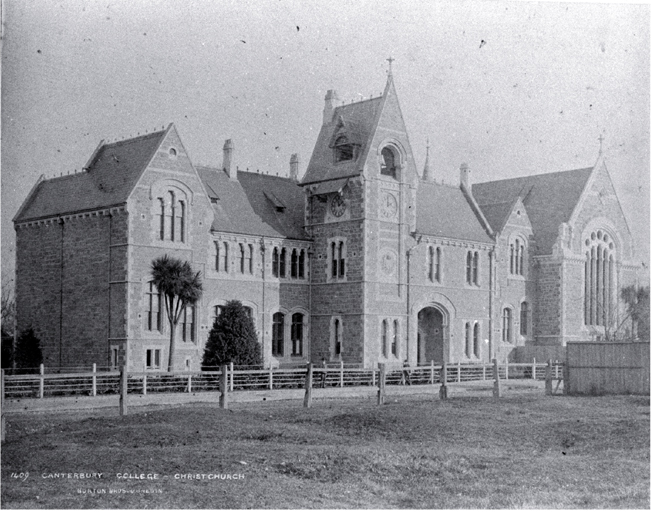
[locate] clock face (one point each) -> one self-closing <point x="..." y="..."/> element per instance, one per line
<point x="337" y="205"/>
<point x="388" y="205"/>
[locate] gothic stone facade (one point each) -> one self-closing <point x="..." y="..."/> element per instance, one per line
<point x="364" y="260"/>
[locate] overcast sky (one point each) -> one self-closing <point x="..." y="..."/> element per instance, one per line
<point x="511" y="88"/>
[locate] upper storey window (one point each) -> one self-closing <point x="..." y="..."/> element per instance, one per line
<point x="600" y="294"/>
<point x="344" y="150"/>
<point x="171" y="217"/>
<point x="517" y="257"/>
<point x="388" y="163"/>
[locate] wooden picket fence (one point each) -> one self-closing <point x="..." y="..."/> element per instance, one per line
<point x="50" y="382"/>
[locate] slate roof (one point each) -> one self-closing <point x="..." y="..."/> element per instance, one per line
<point x="112" y="173"/>
<point x="549" y="200"/>
<point x="358" y="124"/>
<point x="443" y="210"/>
<point x="255" y="204"/>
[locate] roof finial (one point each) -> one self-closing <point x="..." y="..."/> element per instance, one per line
<point x="390" y="61"/>
<point x="427" y="174"/>
<point x="601" y="143"/>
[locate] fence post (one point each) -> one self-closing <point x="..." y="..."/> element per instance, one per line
<point x="459" y="371"/>
<point x="307" y="401"/>
<point x="566" y="378"/>
<point x="506" y="370"/>
<point x="556" y="369"/>
<point x="483" y="371"/>
<point x="533" y="369"/>
<point x="190" y="383"/>
<point x="123" y="390"/>
<point x="431" y="372"/>
<point x="232" y="372"/>
<point x="144" y="379"/>
<point x="271" y="377"/>
<point x="93" y="391"/>
<point x="443" y="390"/>
<point x="381" y="384"/>
<point x="341" y="374"/>
<point x="497" y="387"/>
<point x="41" y="381"/>
<point x="223" y="387"/>
<point x="373" y="377"/>
<point x="2" y="405"/>
<point x="548" y="378"/>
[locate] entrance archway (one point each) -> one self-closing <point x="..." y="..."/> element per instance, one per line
<point x="432" y="335"/>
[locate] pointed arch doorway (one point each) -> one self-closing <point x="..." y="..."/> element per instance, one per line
<point x="432" y="338"/>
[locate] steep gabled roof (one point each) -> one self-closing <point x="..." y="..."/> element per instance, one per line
<point x="112" y="173"/>
<point x="357" y="122"/>
<point x="255" y="204"/>
<point x="549" y="199"/>
<point x="444" y="211"/>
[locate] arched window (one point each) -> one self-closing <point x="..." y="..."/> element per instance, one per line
<point x="161" y="218"/>
<point x="475" y="269"/>
<point x="153" y="308"/>
<point x="283" y="262"/>
<point x="337" y="336"/>
<point x="394" y="343"/>
<point x="301" y="265"/>
<point x="342" y="261"/>
<point x="437" y="265"/>
<point x="169" y="217"/>
<point x="468" y="340"/>
<point x="430" y="263"/>
<point x="388" y="163"/>
<point x="187" y="323"/>
<point x="216" y="311"/>
<point x="344" y="150"/>
<point x="278" y="335"/>
<point x="297" y="334"/>
<point x="225" y="257"/>
<point x="517" y="257"/>
<point x="599" y="289"/>
<point x="338" y="260"/>
<point x="250" y="259"/>
<point x="242" y="259"/>
<point x="294" y="264"/>
<point x="469" y="267"/>
<point x="507" y="325"/>
<point x="180" y="221"/>
<point x="217" y="256"/>
<point x="475" y="340"/>
<point x="275" y="262"/>
<point x="385" y="340"/>
<point x="524" y="319"/>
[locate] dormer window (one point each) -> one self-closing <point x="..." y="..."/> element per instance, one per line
<point x="388" y="163"/>
<point x="344" y="150"/>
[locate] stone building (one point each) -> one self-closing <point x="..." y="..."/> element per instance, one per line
<point x="363" y="260"/>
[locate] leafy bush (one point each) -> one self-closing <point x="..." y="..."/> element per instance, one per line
<point x="232" y="338"/>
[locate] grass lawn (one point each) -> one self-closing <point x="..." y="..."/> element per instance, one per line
<point x="517" y="452"/>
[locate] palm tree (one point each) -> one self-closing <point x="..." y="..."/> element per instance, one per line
<point x="180" y="286"/>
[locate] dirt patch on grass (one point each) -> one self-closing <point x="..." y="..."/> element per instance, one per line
<point x="520" y="452"/>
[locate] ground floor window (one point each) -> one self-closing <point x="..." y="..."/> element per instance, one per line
<point x="278" y="335"/>
<point x="153" y="359"/>
<point x="297" y="334"/>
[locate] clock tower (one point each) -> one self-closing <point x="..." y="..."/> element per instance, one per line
<point x="360" y="190"/>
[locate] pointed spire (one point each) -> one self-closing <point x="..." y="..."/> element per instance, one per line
<point x="427" y="174"/>
<point x="601" y="143"/>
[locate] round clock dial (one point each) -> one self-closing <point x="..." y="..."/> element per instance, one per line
<point x="337" y="206"/>
<point x="389" y="205"/>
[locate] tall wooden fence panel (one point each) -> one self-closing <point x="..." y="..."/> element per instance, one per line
<point x="608" y="368"/>
<point x="541" y="353"/>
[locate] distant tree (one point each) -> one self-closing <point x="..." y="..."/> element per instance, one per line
<point x="180" y="287"/>
<point x="637" y="307"/>
<point x="28" y="350"/>
<point x="7" y="327"/>
<point x="232" y="338"/>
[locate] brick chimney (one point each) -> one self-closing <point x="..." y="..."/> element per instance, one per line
<point x="464" y="176"/>
<point x="293" y="167"/>
<point x="331" y="100"/>
<point x="227" y="164"/>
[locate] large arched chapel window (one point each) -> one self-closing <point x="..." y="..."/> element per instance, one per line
<point x="599" y="298"/>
